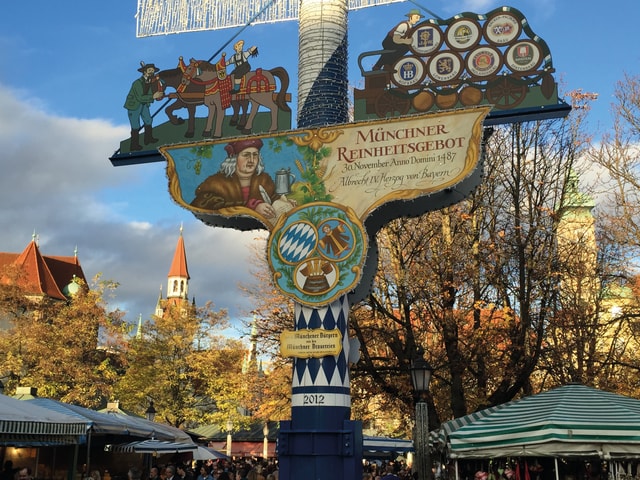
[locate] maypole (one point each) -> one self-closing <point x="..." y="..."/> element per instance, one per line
<point x="322" y="56"/>
<point x="321" y="442"/>
<point x="350" y="177"/>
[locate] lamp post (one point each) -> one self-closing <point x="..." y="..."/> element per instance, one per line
<point x="150" y="412"/>
<point x="265" y="446"/>
<point x="229" y="428"/>
<point x="420" y="377"/>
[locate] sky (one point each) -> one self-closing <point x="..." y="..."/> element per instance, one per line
<point x="66" y="68"/>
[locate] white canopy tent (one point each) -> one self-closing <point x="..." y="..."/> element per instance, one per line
<point x="385" y="447"/>
<point x="158" y="431"/>
<point x="208" y="453"/>
<point x="113" y="423"/>
<point x="99" y="423"/>
<point x="28" y="425"/>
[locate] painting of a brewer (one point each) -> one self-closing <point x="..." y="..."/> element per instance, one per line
<point x="242" y="181"/>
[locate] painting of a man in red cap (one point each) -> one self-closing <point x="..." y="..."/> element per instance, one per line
<point x="242" y="181"/>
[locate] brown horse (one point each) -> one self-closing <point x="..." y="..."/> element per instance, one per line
<point x="258" y="89"/>
<point x="247" y="102"/>
<point x="186" y="96"/>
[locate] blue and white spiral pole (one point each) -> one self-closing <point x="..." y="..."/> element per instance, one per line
<point x="321" y="442"/>
<point x="322" y="58"/>
<point x="322" y="100"/>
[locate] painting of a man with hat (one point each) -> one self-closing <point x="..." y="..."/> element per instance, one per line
<point x="398" y="40"/>
<point x="143" y="92"/>
<point x="241" y="181"/>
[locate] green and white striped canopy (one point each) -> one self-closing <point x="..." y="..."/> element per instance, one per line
<point x="569" y="421"/>
<point x="438" y="439"/>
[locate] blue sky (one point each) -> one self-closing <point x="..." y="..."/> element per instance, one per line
<point x="67" y="67"/>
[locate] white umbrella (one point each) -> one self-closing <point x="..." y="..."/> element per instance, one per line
<point x="152" y="446"/>
<point x="206" y="453"/>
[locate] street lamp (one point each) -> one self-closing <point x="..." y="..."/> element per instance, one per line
<point x="420" y="377"/>
<point x="265" y="446"/>
<point x="229" y="428"/>
<point x="150" y="412"/>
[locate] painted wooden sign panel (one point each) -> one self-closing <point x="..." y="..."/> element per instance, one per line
<point x="309" y="343"/>
<point x="360" y="165"/>
<point x="225" y="98"/>
<point x="471" y="59"/>
<point x="315" y="188"/>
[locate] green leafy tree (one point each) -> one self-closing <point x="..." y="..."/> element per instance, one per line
<point x="70" y="351"/>
<point x="181" y="362"/>
<point x="272" y="313"/>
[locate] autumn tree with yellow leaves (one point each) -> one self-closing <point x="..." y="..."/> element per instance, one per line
<point x="182" y="363"/>
<point x="484" y="288"/>
<point x="70" y="351"/>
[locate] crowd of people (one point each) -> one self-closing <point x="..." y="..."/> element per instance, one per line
<point x="220" y="469"/>
<point x="248" y="469"/>
<point x="387" y="471"/>
<point x="9" y="472"/>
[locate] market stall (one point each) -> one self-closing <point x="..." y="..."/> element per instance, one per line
<point x="597" y="430"/>
<point x="23" y="425"/>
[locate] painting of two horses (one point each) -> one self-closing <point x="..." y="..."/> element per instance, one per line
<point x="200" y="103"/>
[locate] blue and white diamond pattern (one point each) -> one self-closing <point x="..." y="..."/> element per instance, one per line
<point x="304" y="273"/>
<point x="297" y="242"/>
<point x="330" y="371"/>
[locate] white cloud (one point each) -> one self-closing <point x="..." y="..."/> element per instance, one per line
<point x="57" y="181"/>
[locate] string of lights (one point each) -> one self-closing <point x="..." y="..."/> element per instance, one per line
<point x="161" y="17"/>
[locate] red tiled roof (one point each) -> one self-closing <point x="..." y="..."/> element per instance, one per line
<point x="179" y="263"/>
<point x="40" y="274"/>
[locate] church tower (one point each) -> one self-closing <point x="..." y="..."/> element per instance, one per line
<point x="577" y="248"/>
<point x="178" y="278"/>
<point x="177" y="281"/>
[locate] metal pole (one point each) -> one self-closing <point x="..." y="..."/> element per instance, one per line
<point x="229" y="439"/>
<point x="265" y="445"/>
<point x="88" y="471"/>
<point x="423" y="461"/>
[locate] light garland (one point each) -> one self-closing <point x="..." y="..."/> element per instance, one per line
<point x="161" y="17"/>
